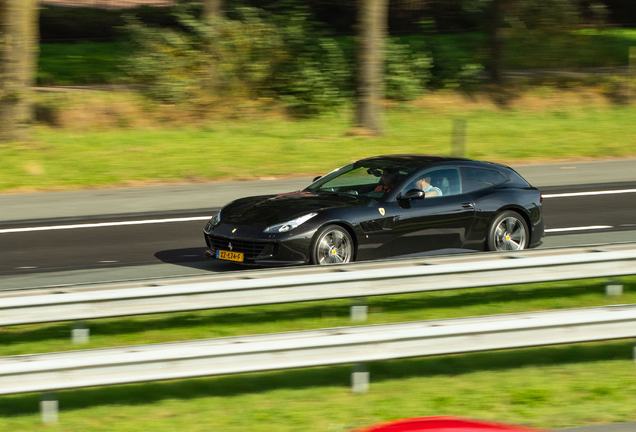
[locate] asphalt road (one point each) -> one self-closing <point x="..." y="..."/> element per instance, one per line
<point x="110" y="251"/>
<point x="180" y="243"/>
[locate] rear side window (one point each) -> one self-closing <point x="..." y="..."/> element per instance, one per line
<point x="478" y="178"/>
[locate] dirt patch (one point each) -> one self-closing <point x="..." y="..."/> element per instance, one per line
<point x="540" y="99"/>
<point x="127" y="109"/>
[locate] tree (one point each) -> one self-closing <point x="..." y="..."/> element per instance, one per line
<point x="370" y="40"/>
<point x="211" y="9"/>
<point x="540" y="22"/>
<point x="495" y="40"/>
<point x="18" y="65"/>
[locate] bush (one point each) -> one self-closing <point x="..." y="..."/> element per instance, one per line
<point x="407" y="73"/>
<point x="256" y="56"/>
<point x="456" y="60"/>
<point x="259" y="55"/>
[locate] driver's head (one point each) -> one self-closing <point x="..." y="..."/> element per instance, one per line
<point x="389" y="177"/>
<point x="423" y="183"/>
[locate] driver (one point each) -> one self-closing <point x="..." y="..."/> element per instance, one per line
<point x="424" y="184"/>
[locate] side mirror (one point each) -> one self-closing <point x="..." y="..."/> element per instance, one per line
<point x="316" y="178"/>
<point x="413" y="194"/>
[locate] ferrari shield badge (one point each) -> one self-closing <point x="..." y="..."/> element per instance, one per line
<point x="234" y="230"/>
<point x="381" y="210"/>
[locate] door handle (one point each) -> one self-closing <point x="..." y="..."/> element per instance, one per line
<point x="467" y="205"/>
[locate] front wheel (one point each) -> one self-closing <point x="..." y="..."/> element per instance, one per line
<point x="508" y="232"/>
<point x="332" y="245"/>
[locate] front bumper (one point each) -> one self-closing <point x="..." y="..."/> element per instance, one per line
<point x="292" y="250"/>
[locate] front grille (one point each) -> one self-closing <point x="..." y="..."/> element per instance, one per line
<point x="250" y="249"/>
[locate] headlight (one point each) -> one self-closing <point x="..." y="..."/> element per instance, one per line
<point x="288" y="226"/>
<point x="213" y="221"/>
<point x="216" y="218"/>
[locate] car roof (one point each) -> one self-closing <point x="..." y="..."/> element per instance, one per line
<point x="421" y="161"/>
<point x="411" y="160"/>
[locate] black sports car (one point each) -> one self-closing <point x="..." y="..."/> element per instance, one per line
<point x="385" y="206"/>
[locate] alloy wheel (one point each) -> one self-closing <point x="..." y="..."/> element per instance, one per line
<point x="334" y="247"/>
<point x="510" y="234"/>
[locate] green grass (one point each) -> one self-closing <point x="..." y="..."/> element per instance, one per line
<point x="260" y="147"/>
<point x="548" y="387"/>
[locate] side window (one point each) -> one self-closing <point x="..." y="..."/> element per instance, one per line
<point x="478" y="178"/>
<point x="444" y="180"/>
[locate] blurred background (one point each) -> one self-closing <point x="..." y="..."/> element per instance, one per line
<point x="292" y="87"/>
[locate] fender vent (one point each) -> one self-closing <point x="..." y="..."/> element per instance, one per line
<point x="371" y="226"/>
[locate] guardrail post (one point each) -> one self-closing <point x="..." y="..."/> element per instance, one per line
<point x="359" y="378"/>
<point x="613" y="288"/>
<point x="80" y="333"/>
<point x="359" y="309"/>
<point x="48" y="407"/>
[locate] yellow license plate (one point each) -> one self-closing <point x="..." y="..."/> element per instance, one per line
<point x="229" y="256"/>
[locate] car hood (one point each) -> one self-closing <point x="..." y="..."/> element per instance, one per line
<point x="269" y="210"/>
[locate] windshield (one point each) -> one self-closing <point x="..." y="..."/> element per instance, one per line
<point x="371" y="179"/>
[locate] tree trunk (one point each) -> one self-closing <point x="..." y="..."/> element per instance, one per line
<point x="496" y="41"/>
<point x="370" y="41"/>
<point x="211" y="9"/>
<point x="19" y="47"/>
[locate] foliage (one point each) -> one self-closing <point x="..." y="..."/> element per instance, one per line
<point x="407" y="72"/>
<point x="257" y="56"/>
<point x="456" y="59"/>
<point x="318" y="74"/>
<point x="260" y="56"/>
<point x="536" y="33"/>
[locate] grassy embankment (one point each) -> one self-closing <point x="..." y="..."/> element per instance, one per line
<point x="540" y="128"/>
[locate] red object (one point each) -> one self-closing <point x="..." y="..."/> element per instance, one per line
<point x="441" y="424"/>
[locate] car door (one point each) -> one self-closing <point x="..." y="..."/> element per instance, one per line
<point x="375" y="225"/>
<point x="433" y="223"/>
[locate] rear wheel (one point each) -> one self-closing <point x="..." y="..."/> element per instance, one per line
<point x="508" y="231"/>
<point x="332" y="245"/>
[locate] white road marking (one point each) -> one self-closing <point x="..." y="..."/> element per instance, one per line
<point x="202" y="218"/>
<point x="103" y="224"/>
<point x="593" y="227"/>
<point x="26" y="268"/>
<point x="107" y="262"/>
<point x="576" y="194"/>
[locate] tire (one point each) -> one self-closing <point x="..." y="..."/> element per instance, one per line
<point x="508" y="232"/>
<point x="332" y="245"/>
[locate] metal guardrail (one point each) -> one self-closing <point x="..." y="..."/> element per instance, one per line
<point x="322" y="283"/>
<point x="166" y="361"/>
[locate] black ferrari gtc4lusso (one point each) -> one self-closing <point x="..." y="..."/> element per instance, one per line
<point x="380" y="207"/>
